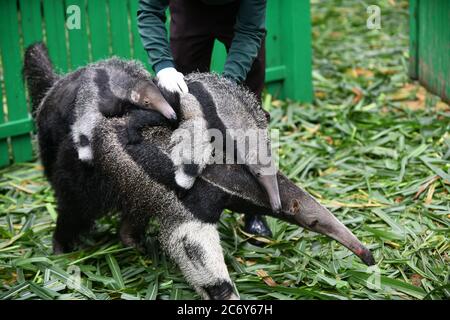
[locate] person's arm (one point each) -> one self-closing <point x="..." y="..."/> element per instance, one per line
<point x="151" y="19"/>
<point x="249" y="31"/>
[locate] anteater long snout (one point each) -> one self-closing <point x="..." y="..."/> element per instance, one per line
<point x="301" y="208"/>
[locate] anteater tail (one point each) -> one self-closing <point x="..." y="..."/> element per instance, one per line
<point x="39" y="73"/>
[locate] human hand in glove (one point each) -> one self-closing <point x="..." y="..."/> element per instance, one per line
<point x="172" y="80"/>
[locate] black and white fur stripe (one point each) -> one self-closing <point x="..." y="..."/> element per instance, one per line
<point x="216" y="103"/>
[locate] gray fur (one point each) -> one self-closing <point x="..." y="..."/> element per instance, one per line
<point x="243" y="120"/>
<point x="87" y="114"/>
<point x="124" y="79"/>
<point x="192" y="126"/>
<point x="177" y="224"/>
<point x="236" y="107"/>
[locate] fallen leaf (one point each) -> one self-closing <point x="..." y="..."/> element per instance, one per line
<point x="393" y="244"/>
<point x="358" y="95"/>
<point x="360" y="72"/>
<point x="266" y="278"/>
<point x="21" y="188"/>
<point x="277" y="103"/>
<point x="336" y="35"/>
<point x="385" y="110"/>
<point x="339" y="204"/>
<point x="429" y="198"/>
<point x="387" y="71"/>
<point x="424" y="187"/>
<point x="287" y="283"/>
<point x="320" y="94"/>
<point x="421" y="94"/>
<point x="416" y="279"/>
<point x="250" y="263"/>
<point x="442" y="106"/>
<point x="408" y="91"/>
<point x="262" y="273"/>
<point x="240" y="260"/>
<point x="415" y="105"/>
<point x="313" y="129"/>
<point x="261" y="239"/>
<point x="329" y="139"/>
<point x="398" y="199"/>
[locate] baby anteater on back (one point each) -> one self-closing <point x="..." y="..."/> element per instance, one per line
<point x="112" y="88"/>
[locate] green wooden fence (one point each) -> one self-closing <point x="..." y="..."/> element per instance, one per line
<point x="108" y="27"/>
<point x="430" y="45"/>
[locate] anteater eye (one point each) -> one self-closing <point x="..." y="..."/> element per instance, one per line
<point x="147" y="102"/>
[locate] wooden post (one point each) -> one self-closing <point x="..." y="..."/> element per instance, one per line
<point x="14" y="88"/>
<point x="413" y="38"/>
<point x="296" y="49"/>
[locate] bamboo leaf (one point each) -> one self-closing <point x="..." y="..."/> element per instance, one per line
<point x="115" y="271"/>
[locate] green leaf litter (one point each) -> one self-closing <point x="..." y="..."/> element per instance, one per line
<point x="374" y="147"/>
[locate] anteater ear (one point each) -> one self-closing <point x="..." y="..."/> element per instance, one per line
<point x="135" y="96"/>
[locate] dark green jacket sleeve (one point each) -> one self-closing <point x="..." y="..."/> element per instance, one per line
<point x="151" y="19"/>
<point x="249" y="31"/>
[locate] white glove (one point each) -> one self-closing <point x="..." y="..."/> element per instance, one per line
<point x="172" y="80"/>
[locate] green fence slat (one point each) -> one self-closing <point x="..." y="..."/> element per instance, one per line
<point x="433" y="46"/>
<point x="273" y="45"/>
<point x="31" y="14"/>
<point x="31" y="21"/>
<point x="275" y="70"/>
<point x="138" y="49"/>
<point x="120" y="34"/>
<point x="54" y="16"/>
<point x="4" y="154"/>
<point x="12" y="65"/>
<point x="274" y="74"/>
<point x="16" y="127"/>
<point x="296" y="41"/>
<point x="413" y="38"/>
<point x="98" y="26"/>
<point x="78" y="36"/>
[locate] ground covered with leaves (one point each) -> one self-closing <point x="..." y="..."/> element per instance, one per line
<point x="374" y="148"/>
